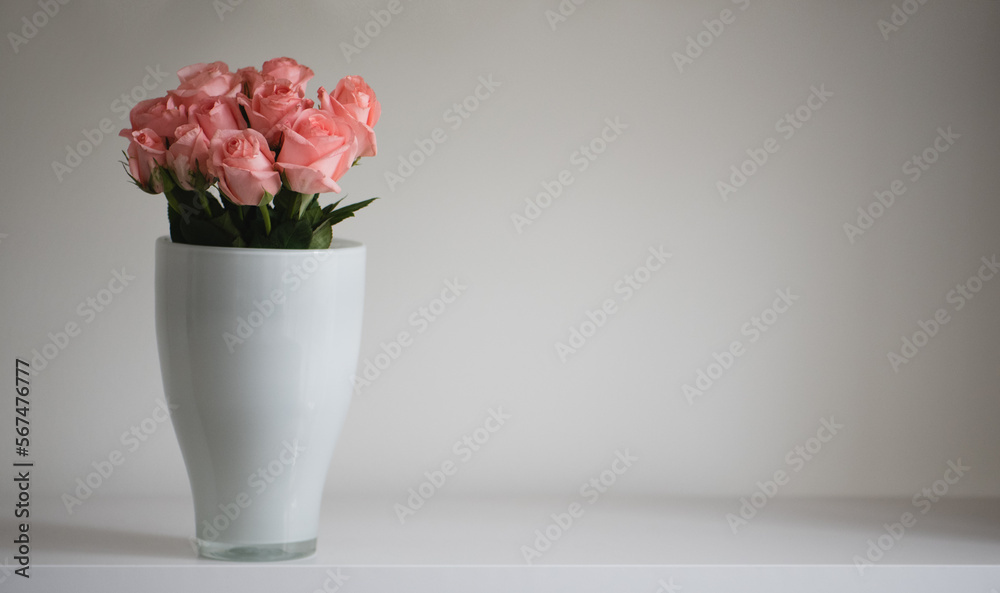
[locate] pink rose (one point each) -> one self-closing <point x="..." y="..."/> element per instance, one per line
<point x="162" y="115"/>
<point x="216" y="113"/>
<point x="145" y="154"/>
<point x="275" y="102"/>
<point x="199" y="81"/>
<point x="316" y="150"/>
<point x="354" y="94"/>
<point x="244" y="165"/>
<point x="250" y="79"/>
<point x="188" y="157"/>
<point x="287" y="69"/>
<point x="355" y="100"/>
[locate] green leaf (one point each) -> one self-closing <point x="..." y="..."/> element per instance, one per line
<point x="300" y="236"/>
<point x="330" y="207"/>
<point x="283" y="203"/>
<point x="176" y="225"/>
<point x="303" y="202"/>
<point x="190" y="218"/>
<point x="322" y="236"/>
<point x="293" y="207"/>
<point x="173" y="204"/>
<point x="288" y="235"/>
<point x="313" y="213"/>
<point x="346" y="212"/>
<point x="286" y="220"/>
<point x="185" y="203"/>
<point x="224" y="222"/>
<point x="260" y="242"/>
<point x="201" y="232"/>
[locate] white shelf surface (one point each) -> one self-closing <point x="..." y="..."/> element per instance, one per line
<point x="641" y="542"/>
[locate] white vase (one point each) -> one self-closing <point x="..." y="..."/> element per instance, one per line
<point x="258" y="348"/>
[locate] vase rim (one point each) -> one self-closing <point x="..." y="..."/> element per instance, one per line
<point x="336" y="244"/>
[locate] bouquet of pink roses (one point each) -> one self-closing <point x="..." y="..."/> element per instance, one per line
<point x="268" y="149"/>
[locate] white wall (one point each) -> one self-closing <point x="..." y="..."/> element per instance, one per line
<point x="655" y="185"/>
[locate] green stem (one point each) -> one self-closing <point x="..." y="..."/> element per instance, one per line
<point x="267" y="218"/>
<point x="204" y="203"/>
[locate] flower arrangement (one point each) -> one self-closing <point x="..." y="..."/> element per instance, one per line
<point x="267" y="149"/>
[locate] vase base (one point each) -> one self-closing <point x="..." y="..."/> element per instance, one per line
<point x="256" y="552"/>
